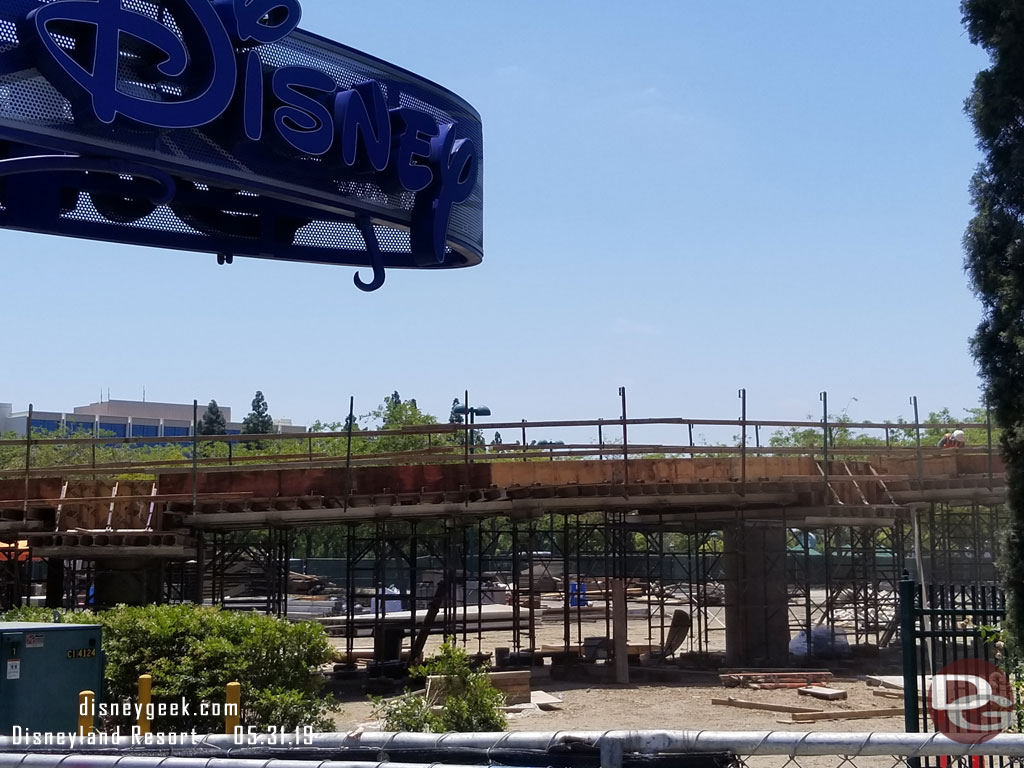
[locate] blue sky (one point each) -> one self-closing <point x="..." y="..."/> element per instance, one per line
<point x="681" y="197"/>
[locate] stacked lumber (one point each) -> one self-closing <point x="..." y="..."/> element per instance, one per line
<point x="765" y="679"/>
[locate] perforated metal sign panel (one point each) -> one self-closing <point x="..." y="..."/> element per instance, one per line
<point x="218" y="126"/>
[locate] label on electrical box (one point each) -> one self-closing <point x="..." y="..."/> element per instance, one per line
<point x="35" y="641"/>
<point x="14" y="669"/>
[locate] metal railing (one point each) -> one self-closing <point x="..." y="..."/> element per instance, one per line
<point x="609" y="749"/>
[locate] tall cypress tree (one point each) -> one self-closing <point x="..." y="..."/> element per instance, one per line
<point x="259" y="421"/>
<point x="213" y="421"/>
<point x="994" y="245"/>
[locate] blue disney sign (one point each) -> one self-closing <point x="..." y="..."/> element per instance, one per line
<point x="217" y="125"/>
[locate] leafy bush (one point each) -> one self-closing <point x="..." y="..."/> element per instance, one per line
<point x="193" y="652"/>
<point x="466" y="701"/>
<point x="408" y="713"/>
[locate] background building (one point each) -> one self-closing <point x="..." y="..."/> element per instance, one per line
<point x="123" y="418"/>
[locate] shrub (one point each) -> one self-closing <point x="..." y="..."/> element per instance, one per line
<point x="467" y="701"/>
<point x="193" y="652"/>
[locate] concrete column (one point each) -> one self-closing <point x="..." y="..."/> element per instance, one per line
<point x="756" y="599"/>
<point x="54" y="583"/>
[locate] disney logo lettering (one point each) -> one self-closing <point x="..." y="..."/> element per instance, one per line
<point x="125" y="64"/>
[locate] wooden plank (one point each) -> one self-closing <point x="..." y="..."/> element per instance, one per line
<point x="744" y="704"/>
<point x="887" y="693"/>
<point x="823" y="693"/>
<point x="850" y="714"/>
<point x="545" y="700"/>
<point x="886" y="681"/>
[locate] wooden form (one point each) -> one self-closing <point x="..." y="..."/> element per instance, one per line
<point x="744" y="704"/>
<point x="515" y="685"/>
<point x="849" y="714"/>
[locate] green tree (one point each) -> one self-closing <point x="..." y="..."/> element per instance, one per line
<point x="213" y="421"/>
<point x="994" y="247"/>
<point x="259" y="420"/>
<point x="394" y="414"/>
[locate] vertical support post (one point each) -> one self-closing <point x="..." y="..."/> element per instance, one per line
<point x="824" y="464"/>
<point x="532" y="616"/>
<point x="200" y="569"/>
<point x="524" y="440"/>
<point x="231" y="707"/>
<point x="625" y="446"/>
<point x="988" y="428"/>
<point x="566" y="625"/>
<point x="28" y="456"/>
<point x="414" y="578"/>
<point x="467" y="434"/>
<point x="195" y="453"/>
<point x="600" y="439"/>
<point x="86" y="705"/>
<point x="620" y="639"/>
<point x="349" y="424"/>
<point x="480" y="589"/>
<point x="743" y="443"/>
<point x="907" y="591"/>
<point x="516" y="585"/>
<point x="145" y="699"/>
<point x="55" y="569"/>
<point x="917" y="432"/>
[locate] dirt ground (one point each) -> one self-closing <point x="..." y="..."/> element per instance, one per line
<point x="679" y="706"/>
<point x="684" y="706"/>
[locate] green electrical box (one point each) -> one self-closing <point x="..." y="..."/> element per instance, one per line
<point x="43" y="668"/>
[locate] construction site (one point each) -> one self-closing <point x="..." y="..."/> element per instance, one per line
<point x="606" y="560"/>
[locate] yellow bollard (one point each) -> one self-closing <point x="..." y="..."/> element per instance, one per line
<point x="85" y="713"/>
<point x="232" y="708"/>
<point x="145" y="698"/>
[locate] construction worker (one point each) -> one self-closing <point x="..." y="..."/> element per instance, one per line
<point x="954" y="439"/>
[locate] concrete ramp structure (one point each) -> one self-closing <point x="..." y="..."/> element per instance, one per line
<point x="757" y="544"/>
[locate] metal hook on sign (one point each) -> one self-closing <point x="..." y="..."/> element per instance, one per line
<point x="376" y="257"/>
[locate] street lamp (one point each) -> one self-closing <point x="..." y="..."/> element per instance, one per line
<point x="464" y="410"/>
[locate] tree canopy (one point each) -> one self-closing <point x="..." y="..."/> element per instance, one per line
<point x="259" y="421"/>
<point x="994" y="248"/>
<point x="213" y="421"/>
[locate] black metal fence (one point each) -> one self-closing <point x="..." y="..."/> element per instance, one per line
<point x="941" y="624"/>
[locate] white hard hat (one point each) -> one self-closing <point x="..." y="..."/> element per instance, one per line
<point x="959" y="435"/>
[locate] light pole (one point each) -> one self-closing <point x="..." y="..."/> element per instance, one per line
<point x="472" y="413"/>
